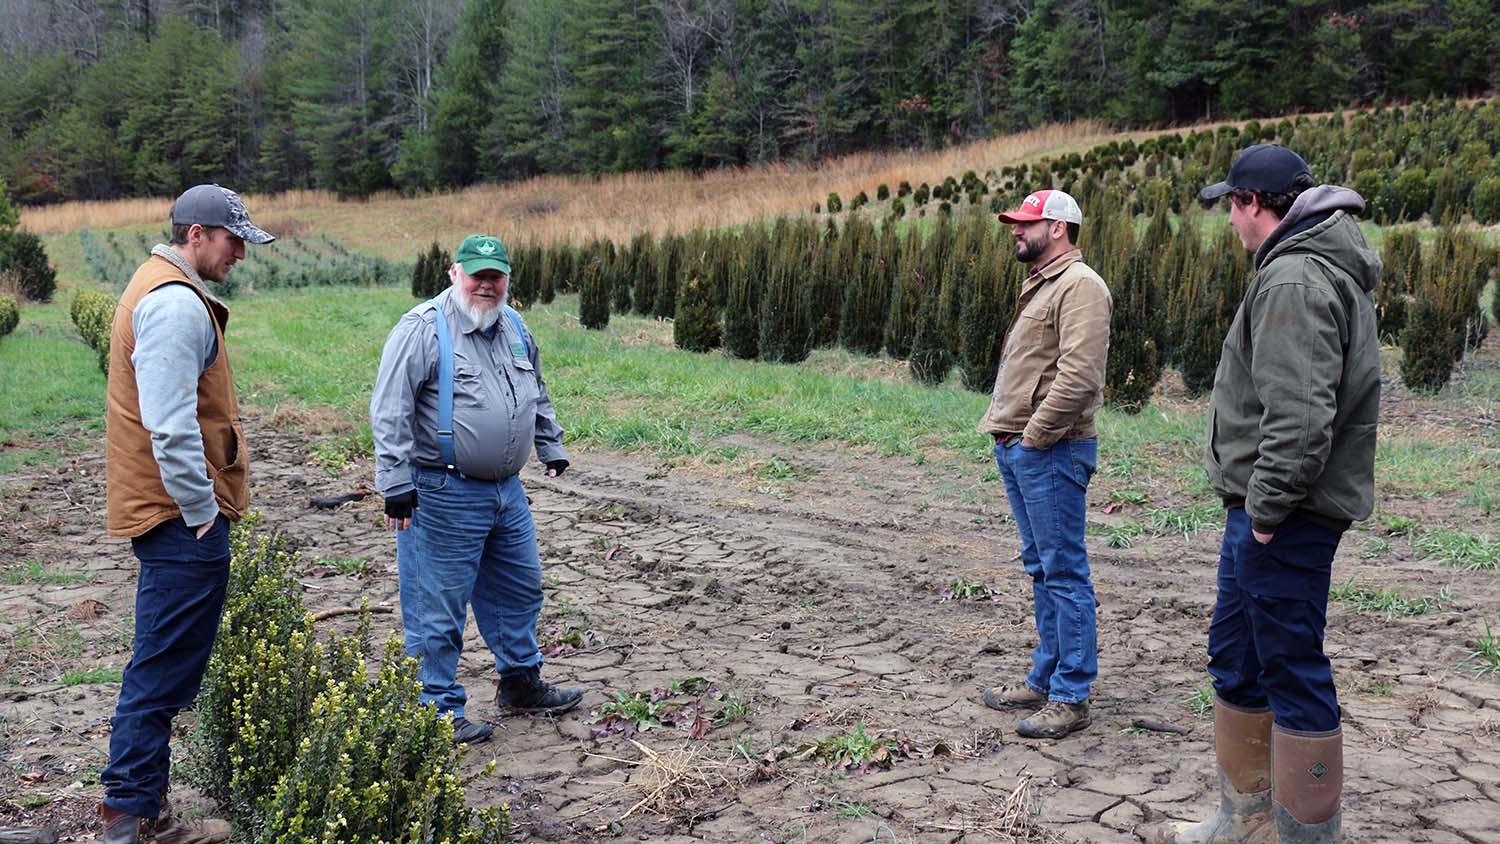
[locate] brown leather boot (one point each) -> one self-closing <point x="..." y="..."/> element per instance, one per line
<point x="1242" y="747"/>
<point x="119" y="828"/>
<point x="1309" y="781"/>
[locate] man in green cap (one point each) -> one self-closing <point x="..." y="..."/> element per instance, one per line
<point x="459" y="404"/>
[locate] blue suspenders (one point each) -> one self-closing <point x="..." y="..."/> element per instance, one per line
<point x="445" y="378"/>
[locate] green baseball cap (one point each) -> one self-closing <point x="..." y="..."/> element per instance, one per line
<point x="482" y="252"/>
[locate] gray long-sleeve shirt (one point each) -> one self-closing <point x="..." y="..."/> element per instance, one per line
<point x="501" y="408"/>
<point x="174" y="343"/>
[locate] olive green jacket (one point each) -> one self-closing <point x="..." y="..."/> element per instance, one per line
<point x="1297" y="392"/>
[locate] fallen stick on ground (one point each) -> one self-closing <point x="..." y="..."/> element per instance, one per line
<point x="338" y="611"/>
<point x="1158" y="726"/>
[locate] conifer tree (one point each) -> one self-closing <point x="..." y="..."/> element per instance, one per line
<point x="593" y="296"/>
<point x="621" y="278"/>
<point x="668" y="276"/>
<point x="696" y="325"/>
<point x="906" y="297"/>
<point x="784" y="324"/>
<point x="870" y="259"/>
<point x="1134" y="364"/>
<point x="824" y="282"/>
<point x="987" y="313"/>
<point x="1220" y="286"/>
<point x="743" y="301"/>
<point x="931" y="352"/>
<point x="643" y="286"/>
<point x="1400" y="268"/>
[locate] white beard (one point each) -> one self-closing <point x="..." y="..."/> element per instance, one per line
<point x="482" y="317"/>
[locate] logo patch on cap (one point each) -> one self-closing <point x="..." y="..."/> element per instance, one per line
<point x="485" y="248"/>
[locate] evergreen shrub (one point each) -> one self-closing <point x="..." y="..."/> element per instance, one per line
<point x="93" y="314"/>
<point x="593" y="296"/>
<point x="23" y="263"/>
<point x="10" y="314"/>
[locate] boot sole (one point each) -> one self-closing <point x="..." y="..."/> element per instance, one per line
<point x="993" y="700"/>
<point x="1055" y="733"/>
<point x="507" y="709"/>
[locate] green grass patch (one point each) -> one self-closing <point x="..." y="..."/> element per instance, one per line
<point x="51" y="393"/>
<point x="1388" y="601"/>
<point x="1185" y="521"/>
<point x="90" y="676"/>
<point x="1459" y="549"/>
<point x="1201" y="701"/>
<point x="1427" y="469"/>
<point x="1485" y="658"/>
<point x="32" y="571"/>
<point x="1122" y="535"/>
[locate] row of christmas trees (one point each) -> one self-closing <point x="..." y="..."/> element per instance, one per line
<point x="943" y="298"/>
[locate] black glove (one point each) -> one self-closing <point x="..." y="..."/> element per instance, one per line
<point x="557" y="466"/>
<point x="400" y="506"/>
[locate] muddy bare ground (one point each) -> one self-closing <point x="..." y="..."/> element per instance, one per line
<point x="818" y="601"/>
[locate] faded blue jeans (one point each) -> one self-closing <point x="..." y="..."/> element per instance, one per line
<point x="470" y="541"/>
<point x="1046" y="488"/>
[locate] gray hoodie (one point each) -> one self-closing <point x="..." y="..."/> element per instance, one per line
<point x="1297" y="393"/>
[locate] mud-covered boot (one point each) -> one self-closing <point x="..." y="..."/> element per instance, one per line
<point x="1309" y="781"/>
<point x="1055" y="720"/>
<point x="524" y="690"/>
<point x="1242" y="748"/>
<point x="166" y="828"/>
<point x="170" y="828"/>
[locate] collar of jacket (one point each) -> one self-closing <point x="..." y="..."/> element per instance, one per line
<point x="1054" y="268"/>
<point x="162" y="250"/>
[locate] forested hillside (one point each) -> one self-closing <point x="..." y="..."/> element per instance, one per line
<point x="110" y="98"/>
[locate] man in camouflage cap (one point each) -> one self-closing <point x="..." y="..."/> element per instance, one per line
<point x="177" y="474"/>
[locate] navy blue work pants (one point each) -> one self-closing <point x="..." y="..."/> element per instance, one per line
<point x="1265" y="644"/>
<point x="178" y="599"/>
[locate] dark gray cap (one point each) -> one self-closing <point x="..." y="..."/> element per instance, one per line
<point x="211" y="205"/>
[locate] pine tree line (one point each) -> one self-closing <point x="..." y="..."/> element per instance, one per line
<point x="109" y="99"/>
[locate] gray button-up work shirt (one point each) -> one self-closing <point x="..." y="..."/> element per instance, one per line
<point x="500" y="402"/>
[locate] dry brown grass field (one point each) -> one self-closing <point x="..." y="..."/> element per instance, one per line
<point x="555" y="208"/>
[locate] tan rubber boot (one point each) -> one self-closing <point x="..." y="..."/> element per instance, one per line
<point x="1309" y="780"/>
<point x="1242" y="747"/>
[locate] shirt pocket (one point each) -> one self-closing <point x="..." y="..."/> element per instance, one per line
<point x="468" y="387"/>
<point x="528" y="390"/>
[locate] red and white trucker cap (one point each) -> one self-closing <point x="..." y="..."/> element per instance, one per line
<point x="1045" y="205"/>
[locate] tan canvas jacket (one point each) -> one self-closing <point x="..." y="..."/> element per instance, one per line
<point x="1051" y="378"/>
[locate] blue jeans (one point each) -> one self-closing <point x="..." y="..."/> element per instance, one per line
<point x="1046" y="488"/>
<point x="1265" y="644"/>
<point x="471" y="541"/>
<point x="179" y="596"/>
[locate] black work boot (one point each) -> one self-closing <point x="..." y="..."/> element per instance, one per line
<point x="524" y="690"/>
<point x="470" y="732"/>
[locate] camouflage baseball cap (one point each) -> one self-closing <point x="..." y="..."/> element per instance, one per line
<point x="482" y="252"/>
<point x="211" y="205"/>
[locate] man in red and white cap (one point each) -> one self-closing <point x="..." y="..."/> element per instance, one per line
<point x="1051" y="381"/>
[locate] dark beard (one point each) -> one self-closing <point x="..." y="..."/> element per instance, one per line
<point x="1027" y="252"/>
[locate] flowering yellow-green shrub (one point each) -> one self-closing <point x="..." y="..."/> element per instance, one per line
<point x="377" y="765"/>
<point x="10" y="314"/>
<point x="93" y="314"/>
<point x="296" y="745"/>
